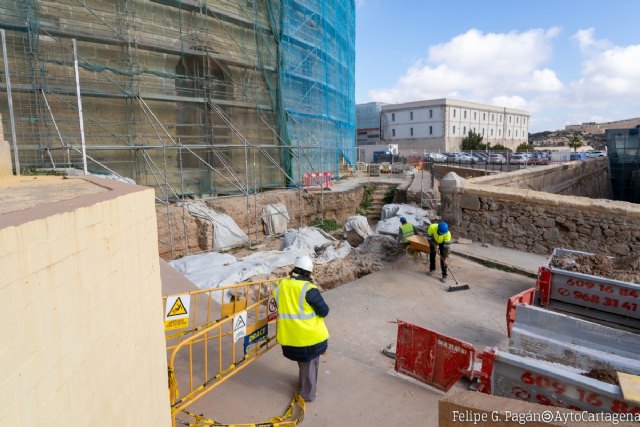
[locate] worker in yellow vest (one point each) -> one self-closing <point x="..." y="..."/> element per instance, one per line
<point x="406" y="230"/>
<point x="301" y="329"/>
<point x="440" y="237"/>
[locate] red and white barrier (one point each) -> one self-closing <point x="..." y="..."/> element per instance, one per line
<point x="321" y="180"/>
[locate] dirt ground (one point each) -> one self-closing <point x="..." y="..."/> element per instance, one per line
<point x="626" y="269"/>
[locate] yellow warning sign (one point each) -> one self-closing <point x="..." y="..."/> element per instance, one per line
<point x="178" y="308"/>
<point x="177" y="312"/>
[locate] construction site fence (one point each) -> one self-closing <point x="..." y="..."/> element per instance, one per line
<point x="227" y="329"/>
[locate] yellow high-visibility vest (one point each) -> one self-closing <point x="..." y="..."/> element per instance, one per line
<point x="298" y="324"/>
<point x="432" y="232"/>
<point x="407" y="231"/>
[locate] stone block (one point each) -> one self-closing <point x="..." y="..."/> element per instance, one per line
<point x="6" y="165"/>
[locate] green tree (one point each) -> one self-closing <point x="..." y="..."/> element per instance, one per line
<point x="575" y="142"/>
<point x="524" y="147"/>
<point x="473" y="141"/>
<point x="499" y="147"/>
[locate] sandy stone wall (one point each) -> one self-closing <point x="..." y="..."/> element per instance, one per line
<point x="187" y="234"/>
<point x="535" y="221"/>
<point x="518" y="210"/>
<point x="83" y="336"/>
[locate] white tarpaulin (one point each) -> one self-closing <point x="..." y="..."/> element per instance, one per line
<point x="390" y="223"/>
<point x="305" y="238"/>
<point x="226" y="233"/>
<point x="359" y="224"/>
<point x="275" y="218"/>
<point x="212" y="270"/>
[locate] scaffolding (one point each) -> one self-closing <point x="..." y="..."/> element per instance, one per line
<point x="195" y="98"/>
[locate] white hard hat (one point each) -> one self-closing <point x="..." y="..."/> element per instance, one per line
<point x="304" y="263"/>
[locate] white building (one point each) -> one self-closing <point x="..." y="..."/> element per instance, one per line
<point x="439" y="125"/>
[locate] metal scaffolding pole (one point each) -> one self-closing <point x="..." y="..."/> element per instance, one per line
<point x="80" y="118"/>
<point x="16" y="159"/>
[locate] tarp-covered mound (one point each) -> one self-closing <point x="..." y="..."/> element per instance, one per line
<point x="212" y="270"/>
<point x="390" y="218"/>
<point x="226" y="233"/>
<point x="275" y="218"/>
<point x="356" y="229"/>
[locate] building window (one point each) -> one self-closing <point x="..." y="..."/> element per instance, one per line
<point x="500" y="119"/>
<point x="430" y="130"/>
<point x="509" y="119"/>
<point x="484" y="116"/>
<point x="465" y="114"/>
<point x="491" y="132"/>
<point x="517" y="119"/>
<point x="509" y="133"/>
<point x="524" y="121"/>
<point x="411" y="130"/>
<point x="464" y="130"/>
<point x="474" y="115"/>
<point x="454" y="129"/>
<point x="393" y="117"/>
<point x="454" y="114"/>
<point x="430" y="114"/>
<point x="393" y="132"/>
<point x="482" y="131"/>
<point x="492" y="117"/>
<point x="410" y="115"/>
<point x="499" y="132"/>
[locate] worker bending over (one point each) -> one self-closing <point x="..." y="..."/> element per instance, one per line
<point x="406" y="230"/>
<point x="300" y="325"/>
<point x="440" y="237"/>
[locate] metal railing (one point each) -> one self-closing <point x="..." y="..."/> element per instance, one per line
<point x="208" y="351"/>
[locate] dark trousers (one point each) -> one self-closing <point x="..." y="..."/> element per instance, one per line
<point x="444" y="253"/>
<point x="308" y="379"/>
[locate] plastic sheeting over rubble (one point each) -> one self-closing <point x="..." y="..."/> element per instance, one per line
<point x="390" y="218"/>
<point x="359" y="224"/>
<point x="275" y="218"/>
<point x="226" y="233"/>
<point x="212" y="270"/>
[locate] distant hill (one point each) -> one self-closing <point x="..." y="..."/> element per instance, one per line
<point x="560" y="138"/>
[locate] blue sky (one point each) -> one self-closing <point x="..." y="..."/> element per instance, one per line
<point x="564" y="61"/>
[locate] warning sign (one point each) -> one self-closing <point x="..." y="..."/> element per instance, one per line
<point x="177" y="312"/>
<point x="272" y="309"/>
<point x="239" y="325"/>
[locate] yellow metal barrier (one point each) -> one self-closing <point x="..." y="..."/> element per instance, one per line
<point x="203" y="355"/>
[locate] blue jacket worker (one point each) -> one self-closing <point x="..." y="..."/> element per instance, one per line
<point x="440" y="237"/>
<point x="301" y="329"/>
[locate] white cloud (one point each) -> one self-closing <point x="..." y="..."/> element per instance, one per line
<point x="479" y="66"/>
<point x="511" y="70"/>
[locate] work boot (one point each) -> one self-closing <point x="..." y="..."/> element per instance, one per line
<point x="430" y="272"/>
<point x="444" y="279"/>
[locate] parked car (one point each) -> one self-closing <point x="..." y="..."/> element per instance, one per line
<point x="437" y="157"/>
<point x="576" y="156"/>
<point x="539" y="159"/>
<point x="479" y="157"/>
<point x="385" y="167"/>
<point x="519" y="159"/>
<point x="497" y="158"/>
<point x="595" y="153"/>
<point x="464" y="158"/>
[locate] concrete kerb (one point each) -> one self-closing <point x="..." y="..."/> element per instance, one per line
<point x="493" y="263"/>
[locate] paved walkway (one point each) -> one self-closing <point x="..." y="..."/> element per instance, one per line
<point x="520" y="262"/>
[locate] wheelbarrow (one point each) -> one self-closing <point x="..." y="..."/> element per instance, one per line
<point x="417" y="245"/>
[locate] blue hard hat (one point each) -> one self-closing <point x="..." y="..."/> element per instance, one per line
<point x="443" y="228"/>
<point x="403" y="219"/>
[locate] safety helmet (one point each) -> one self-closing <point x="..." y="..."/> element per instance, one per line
<point x="403" y="219"/>
<point x="443" y="228"/>
<point x="304" y="263"/>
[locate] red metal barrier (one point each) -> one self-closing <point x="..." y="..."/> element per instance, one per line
<point x="321" y="179"/>
<point x="544" y="285"/>
<point x="432" y="358"/>
<point x="526" y="297"/>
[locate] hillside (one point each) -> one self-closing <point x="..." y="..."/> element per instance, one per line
<point x="562" y="137"/>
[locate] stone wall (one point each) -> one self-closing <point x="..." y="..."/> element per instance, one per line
<point x="187" y="234"/>
<point x="517" y="210"/>
<point x="584" y="178"/>
<point x="538" y="222"/>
